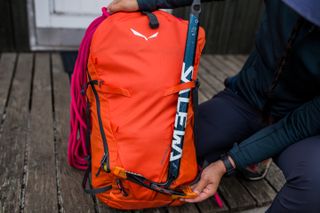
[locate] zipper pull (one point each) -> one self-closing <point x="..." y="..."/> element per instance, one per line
<point x="103" y="165"/>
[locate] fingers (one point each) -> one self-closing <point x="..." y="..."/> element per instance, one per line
<point x="207" y="192"/>
<point x="123" y="5"/>
<point x="198" y="187"/>
<point x="208" y="184"/>
<point x="115" y="6"/>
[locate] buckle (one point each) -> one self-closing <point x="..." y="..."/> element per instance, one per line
<point x="188" y="194"/>
<point x="119" y="172"/>
<point x="185" y="192"/>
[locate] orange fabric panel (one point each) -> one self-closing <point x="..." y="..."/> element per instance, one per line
<point x="137" y="65"/>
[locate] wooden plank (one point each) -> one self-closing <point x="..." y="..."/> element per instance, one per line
<point x="186" y="208"/>
<point x="157" y="210"/>
<point x="205" y="88"/>
<point x="236" y="196"/>
<point x="241" y="57"/>
<point x="210" y="69"/>
<point x="203" y="94"/>
<point x="220" y="66"/>
<point x="103" y="208"/>
<point x="211" y="81"/>
<point x="7" y="65"/>
<point x="234" y="60"/>
<point x="72" y="197"/>
<point x="228" y="64"/>
<point x="215" y="70"/>
<point x="41" y="187"/>
<point x="13" y="139"/>
<point x="260" y="190"/>
<point x="275" y="177"/>
<point x="256" y="210"/>
<point x="202" y="97"/>
<point x="209" y="85"/>
<point x="210" y="205"/>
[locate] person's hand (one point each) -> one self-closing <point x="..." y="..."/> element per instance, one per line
<point x="209" y="182"/>
<point x="123" y="5"/>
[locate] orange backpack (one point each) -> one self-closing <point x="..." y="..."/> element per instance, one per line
<point x="133" y="81"/>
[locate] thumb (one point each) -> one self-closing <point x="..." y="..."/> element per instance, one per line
<point x="198" y="187"/>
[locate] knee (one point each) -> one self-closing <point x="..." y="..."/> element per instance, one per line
<point x="300" y="164"/>
<point x="305" y="177"/>
<point x="300" y="194"/>
<point x="306" y="180"/>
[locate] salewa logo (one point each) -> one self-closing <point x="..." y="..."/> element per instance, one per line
<point x="143" y="36"/>
<point x="181" y="116"/>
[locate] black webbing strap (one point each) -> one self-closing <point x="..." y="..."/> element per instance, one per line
<point x="105" y="159"/>
<point x="153" y="20"/>
<point x="87" y="173"/>
<point x="85" y="181"/>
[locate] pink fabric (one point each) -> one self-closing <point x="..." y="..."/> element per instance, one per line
<point x="77" y="150"/>
<point x="218" y="200"/>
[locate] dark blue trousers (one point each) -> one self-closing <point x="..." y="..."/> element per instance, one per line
<point x="227" y="118"/>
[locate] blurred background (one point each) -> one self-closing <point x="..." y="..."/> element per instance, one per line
<point x="30" y="25"/>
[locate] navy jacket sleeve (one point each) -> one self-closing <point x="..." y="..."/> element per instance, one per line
<point x="151" y="5"/>
<point x="301" y="123"/>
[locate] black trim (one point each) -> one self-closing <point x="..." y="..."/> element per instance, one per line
<point x="105" y="158"/>
<point x="195" y="105"/>
<point x="86" y="177"/>
<point x="87" y="174"/>
<point x="158" y="187"/>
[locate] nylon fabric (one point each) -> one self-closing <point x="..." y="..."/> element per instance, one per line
<point x="134" y="66"/>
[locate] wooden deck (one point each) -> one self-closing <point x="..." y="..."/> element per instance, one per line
<point x="34" y="124"/>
